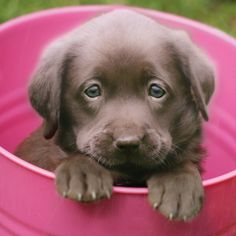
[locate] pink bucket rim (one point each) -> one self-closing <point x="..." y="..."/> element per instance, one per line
<point x="94" y="8"/>
<point x="125" y="190"/>
<point x="179" y="19"/>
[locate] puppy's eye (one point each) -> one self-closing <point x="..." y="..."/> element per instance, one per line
<point x="93" y="91"/>
<point x="156" y="91"/>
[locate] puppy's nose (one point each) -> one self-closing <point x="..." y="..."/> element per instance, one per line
<point x="127" y="142"/>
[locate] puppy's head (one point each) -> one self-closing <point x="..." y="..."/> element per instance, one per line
<point x="124" y="90"/>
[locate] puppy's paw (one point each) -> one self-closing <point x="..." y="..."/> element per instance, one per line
<point x="178" y="196"/>
<point x="82" y="180"/>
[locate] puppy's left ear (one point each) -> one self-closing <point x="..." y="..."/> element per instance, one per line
<point x="197" y="70"/>
<point x="45" y="86"/>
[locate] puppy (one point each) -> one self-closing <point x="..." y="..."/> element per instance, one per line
<point x="123" y="99"/>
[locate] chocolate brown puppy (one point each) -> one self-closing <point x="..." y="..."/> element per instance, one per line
<point x="123" y="100"/>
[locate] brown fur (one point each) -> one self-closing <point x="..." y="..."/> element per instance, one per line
<point x="125" y="134"/>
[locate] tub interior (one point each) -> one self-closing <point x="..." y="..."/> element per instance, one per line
<point x="21" y="46"/>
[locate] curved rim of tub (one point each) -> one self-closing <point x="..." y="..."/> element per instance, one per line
<point x="182" y="20"/>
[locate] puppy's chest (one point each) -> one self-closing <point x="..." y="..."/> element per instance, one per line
<point x="131" y="177"/>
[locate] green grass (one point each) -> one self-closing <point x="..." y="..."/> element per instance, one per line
<point x="219" y="13"/>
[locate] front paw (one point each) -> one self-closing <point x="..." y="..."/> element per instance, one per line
<point x="81" y="179"/>
<point x="178" y="195"/>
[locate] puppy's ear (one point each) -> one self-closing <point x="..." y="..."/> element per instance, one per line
<point x="197" y="71"/>
<point x="45" y="86"/>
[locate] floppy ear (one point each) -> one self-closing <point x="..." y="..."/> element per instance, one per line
<point x="197" y="71"/>
<point x="45" y="86"/>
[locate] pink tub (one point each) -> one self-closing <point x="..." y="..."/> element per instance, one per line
<point x="29" y="204"/>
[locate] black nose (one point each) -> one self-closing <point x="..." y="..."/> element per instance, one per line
<point x="127" y="142"/>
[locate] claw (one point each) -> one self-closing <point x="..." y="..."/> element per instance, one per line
<point x="108" y="194"/>
<point x="64" y="194"/>
<point x="185" y="218"/>
<point x="155" y="205"/>
<point x="171" y="216"/>
<point x="94" y="195"/>
<point x="79" y="196"/>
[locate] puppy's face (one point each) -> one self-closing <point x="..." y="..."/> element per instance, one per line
<point x="126" y="96"/>
<point x="123" y="109"/>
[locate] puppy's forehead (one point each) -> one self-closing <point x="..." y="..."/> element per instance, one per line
<point x="123" y="43"/>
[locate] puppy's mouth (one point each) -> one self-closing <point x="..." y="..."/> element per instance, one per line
<point x="147" y="157"/>
<point x="150" y="153"/>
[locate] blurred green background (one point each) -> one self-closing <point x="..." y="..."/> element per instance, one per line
<point x="219" y="13"/>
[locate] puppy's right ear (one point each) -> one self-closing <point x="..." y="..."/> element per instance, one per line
<point x="45" y="86"/>
<point x="197" y="71"/>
